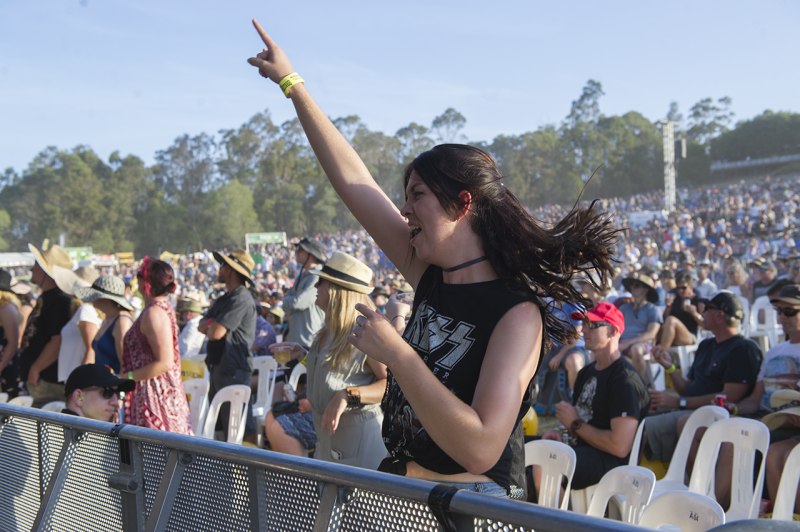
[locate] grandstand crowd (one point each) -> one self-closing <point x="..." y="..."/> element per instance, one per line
<point x="732" y="249"/>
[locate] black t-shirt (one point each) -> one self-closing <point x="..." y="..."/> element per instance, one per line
<point x="616" y="391"/>
<point x="677" y="310"/>
<point x="450" y="330"/>
<point x="47" y="319"/>
<point x="236" y="311"/>
<point x="737" y="359"/>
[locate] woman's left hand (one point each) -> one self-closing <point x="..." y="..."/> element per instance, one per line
<point x="374" y="335"/>
<point x="334" y="410"/>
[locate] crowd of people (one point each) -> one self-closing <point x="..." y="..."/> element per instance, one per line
<point x="434" y="385"/>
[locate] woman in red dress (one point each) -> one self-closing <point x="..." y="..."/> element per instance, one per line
<point x="150" y="357"/>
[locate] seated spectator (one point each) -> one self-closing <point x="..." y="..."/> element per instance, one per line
<point x="681" y="318"/>
<point x="190" y="340"/>
<point x="642" y="321"/>
<point x="705" y="286"/>
<point x="610" y="401"/>
<point x="785" y="416"/>
<point x="764" y="276"/>
<point x="735" y="280"/>
<point x="726" y="364"/>
<point x="92" y="391"/>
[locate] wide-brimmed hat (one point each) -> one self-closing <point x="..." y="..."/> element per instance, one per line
<point x="66" y="280"/>
<point x="54" y="255"/>
<point x="783" y="402"/>
<point x="5" y="280"/>
<point x="196" y="295"/>
<point x="108" y="287"/>
<point x="240" y="260"/>
<point x="346" y="271"/>
<point x="789" y="294"/>
<point x="312" y="246"/>
<point x="190" y="305"/>
<point x="277" y="311"/>
<point x="380" y="291"/>
<point x="652" y="293"/>
<point x="88" y="274"/>
<point x="20" y="287"/>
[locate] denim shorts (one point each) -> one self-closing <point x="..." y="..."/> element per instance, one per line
<point x="489" y="488"/>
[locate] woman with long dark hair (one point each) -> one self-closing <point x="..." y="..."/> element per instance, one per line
<point x="150" y="356"/>
<point x="480" y="266"/>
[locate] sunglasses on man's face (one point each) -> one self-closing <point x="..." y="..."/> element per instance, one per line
<point x="637" y="284"/>
<point x="596" y="324"/>
<point x="107" y="393"/>
<point x="788" y="312"/>
<point x="681" y="288"/>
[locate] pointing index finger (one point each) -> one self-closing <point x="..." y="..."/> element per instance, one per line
<point x="264" y="37"/>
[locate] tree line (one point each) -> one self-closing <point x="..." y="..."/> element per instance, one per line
<point x="207" y="191"/>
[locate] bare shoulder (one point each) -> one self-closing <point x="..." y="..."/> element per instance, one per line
<point x="154" y="318"/>
<point x="526" y="314"/>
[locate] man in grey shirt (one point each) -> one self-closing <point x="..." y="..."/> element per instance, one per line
<point x="304" y="317"/>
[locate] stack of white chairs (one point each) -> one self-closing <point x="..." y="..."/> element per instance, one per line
<point x="267" y="371"/>
<point x="197" y="391"/>
<point x="769" y="330"/>
<point x="787" y="489"/>
<point x="747" y="437"/>
<point x="704" y="416"/>
<point x="557" y="460"/>
<point x="239" y="397"/>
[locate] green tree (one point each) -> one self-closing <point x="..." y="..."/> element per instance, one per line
<point x="708" y="120"/>
<point x="766" y="135"/>
<point x="5" y="225"/>
<point x="446" y="126"/>
<point x="230" y="216"/>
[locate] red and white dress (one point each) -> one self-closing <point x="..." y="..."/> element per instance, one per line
<point x="158" y="403"/>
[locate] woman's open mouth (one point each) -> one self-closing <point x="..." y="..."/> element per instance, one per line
<point x="414" y="230"/>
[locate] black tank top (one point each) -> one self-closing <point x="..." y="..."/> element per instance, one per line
<point x="450" y="330"/>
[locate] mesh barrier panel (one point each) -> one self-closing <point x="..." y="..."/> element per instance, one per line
<point x="292" y="502"/>
<point x="213" y="496"/>
<point x="86" y="501"/>
<point x="51" y="440"/>
<point x="154" y="459"/>
<point x="19" y="471"/>
<point x="367" y="510"/>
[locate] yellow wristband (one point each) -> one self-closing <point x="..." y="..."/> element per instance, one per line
<point x="735" y="410"/>
<point x="670" y="370"/>
<point x="289" y="81"/>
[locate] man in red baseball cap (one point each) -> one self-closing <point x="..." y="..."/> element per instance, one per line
<point x="609" y="401"/>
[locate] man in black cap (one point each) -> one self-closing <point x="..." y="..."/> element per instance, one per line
<point x="92" y="391"/>
<point x="764" y="275"/>
<point x="726" y="364"/>
<point x="299" y="303"/>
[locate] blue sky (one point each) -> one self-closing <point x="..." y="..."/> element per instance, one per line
<point x="132" y="75"/>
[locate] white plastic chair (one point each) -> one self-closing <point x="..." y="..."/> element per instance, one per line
<point x="634" y="483"/>
<point x="197" y="390"/>
<point x="22" y="400"/>
<point x="556" y="460"/>
<point x="691" y="512"/>
<point x="787" y="489"/>
<point x="239" y="397"/>
<point x="54" y="406"/>
<point x="744" y="326"/>
<point x="267" y="369"/>
<point x="766" y="330"/>
<point x="686" y="357"/>
<point x="637" y="444"/>
<point x="747" y="437"/>
<point x="3" y="397"/>
<point x="298" y="370"/>
<point x="704" y="416"/>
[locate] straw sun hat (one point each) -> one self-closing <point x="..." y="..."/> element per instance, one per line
<point x="54" y="255"/>
<point x="652" y="294"/>
<point x="347" y="271"/>
<point x="240" y="260"/>
<point x="108" y="287"/>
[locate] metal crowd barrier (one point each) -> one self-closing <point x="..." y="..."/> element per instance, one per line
<point x="60" y="472"/>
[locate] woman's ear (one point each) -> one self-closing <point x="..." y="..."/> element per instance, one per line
<point x="466" y="198"/>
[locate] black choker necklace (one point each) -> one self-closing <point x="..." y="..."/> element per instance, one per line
<point x="470" y="263"/>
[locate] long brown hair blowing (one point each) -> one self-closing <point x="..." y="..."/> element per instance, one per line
<point x="340" y="317"/>
<point x="526" y="256"/>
